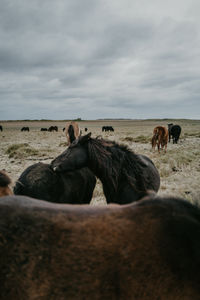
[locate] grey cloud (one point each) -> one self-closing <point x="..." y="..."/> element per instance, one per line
<point x="103" y="59"/>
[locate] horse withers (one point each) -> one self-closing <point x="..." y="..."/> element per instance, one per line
<point x="125" y="176"/>
<point x="144" y="250"/>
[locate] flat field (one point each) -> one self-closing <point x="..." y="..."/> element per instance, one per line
<point x="179" y="168"/>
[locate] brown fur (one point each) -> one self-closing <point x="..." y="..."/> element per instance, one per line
<point x="141" y="251"/>
<point x="160" y="138"/>
<point x="5" y="181"/>
<point x="76" y="130"/>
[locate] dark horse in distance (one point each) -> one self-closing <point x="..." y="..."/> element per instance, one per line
<point x="144" y="250"/>
<point x="41" y="182"/>
<point x="125" y="176"/>
<point x="174" y="132"/>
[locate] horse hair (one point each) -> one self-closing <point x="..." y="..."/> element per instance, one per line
<point x="116" y="161"/>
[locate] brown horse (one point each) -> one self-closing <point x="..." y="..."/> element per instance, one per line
<point x="144" y="250"/>
<point x="5" y="182"/>
<point x="160" y="138"/>
<point x="72" y="131"/>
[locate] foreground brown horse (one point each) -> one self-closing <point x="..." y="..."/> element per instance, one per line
<point x="160" y="138"/>
<point x="5" y="182"/>
<point x="72" y="131"/>
<point x="141" y="251"/>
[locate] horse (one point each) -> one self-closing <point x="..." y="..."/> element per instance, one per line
<point x="107" y="128"/>
<point x="5" y="182"/>
<point x="1" y="128"/>
<point x="43" y="129"/>
<point x="41" y="182"/>
<point x="53" y="128"/>
<point x="140" y="251"/>
<point x="174" y="132"/>
<point x="125" y="176"/>
<point x="160" y="138"/>
<point x="26" y="128"/>
<point x="72" y="131"/>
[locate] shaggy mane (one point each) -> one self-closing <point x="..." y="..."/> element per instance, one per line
<point x="116" y="161"/>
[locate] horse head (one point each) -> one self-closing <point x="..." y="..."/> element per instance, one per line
<point x="74" y="157"/>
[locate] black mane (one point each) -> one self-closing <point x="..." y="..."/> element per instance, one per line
<point x="116" y="161"/>
<point x="71" y="133"/>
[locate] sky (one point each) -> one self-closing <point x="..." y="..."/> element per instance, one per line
<point x="97" y="59"/>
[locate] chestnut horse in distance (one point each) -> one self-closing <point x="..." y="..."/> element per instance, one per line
<point x="160" y="138"/>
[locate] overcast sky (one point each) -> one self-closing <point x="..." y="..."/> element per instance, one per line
<point x="64" y="59"/>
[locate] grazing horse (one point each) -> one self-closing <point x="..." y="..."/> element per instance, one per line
<point x="160" y="138"/>
<point x="107" y="128"/>
<point x="53" y="128"/>
<point x="125" y="176"/>
<point x="25" y="128"/>
<point x="144" y="250"/>
<point x="174" y="132"/>
<point x="43" y="129"/>
<point x="72" y="131"/>
<point x="41" y="182"/>
<point x="5" y="181"/>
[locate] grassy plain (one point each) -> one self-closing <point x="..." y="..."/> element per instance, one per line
<point x="179" y="168"/>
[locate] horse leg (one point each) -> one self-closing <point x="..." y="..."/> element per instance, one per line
<point x="158" y="147"/>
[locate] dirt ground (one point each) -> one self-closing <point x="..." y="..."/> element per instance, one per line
<point x="179" y="168"/>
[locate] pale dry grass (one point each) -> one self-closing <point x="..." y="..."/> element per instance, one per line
<point x="179" y="168"/>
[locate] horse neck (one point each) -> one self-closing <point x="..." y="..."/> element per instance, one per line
<point x="103" y="165"/>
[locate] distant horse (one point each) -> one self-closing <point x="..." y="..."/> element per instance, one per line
<point x="107" y="128"/>
<point x="25" y="128"/>
<point x="53" y="128"/>
<point x="41" y="182"/>
<point x="43" y="129"/>
<point x="125" y="176"/>
<point x="160" y="138"/>
<point x="141" y="251"/>
<point x="174" y="132"/>
<point x="72" y="131"/>
<point x="1" y="128"/>
<point x="5" y="182"/>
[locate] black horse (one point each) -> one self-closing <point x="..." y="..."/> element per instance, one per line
<point x="174" y="132"/>
<point x="25" y="128"/>
<point x="125" y="176"/>
<point x="41" y="182"/>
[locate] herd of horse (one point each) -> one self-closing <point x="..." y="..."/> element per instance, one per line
<point x="140" y="246"/>
<point x="161" y="136"/>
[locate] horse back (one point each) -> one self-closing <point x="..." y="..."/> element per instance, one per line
<point x="51" y="251"/>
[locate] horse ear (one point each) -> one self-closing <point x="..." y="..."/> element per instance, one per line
<point x="85" y="138"/>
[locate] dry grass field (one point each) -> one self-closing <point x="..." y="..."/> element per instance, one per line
<point x="179" y="168"/>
